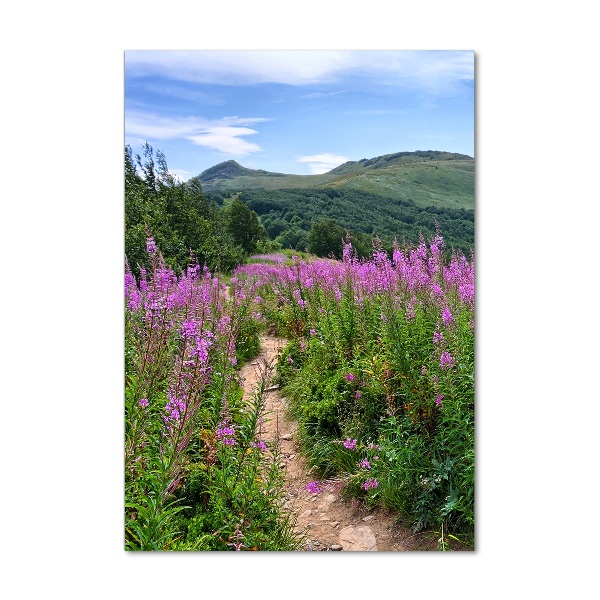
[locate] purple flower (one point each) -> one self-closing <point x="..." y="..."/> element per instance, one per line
<point x="438" y="338"/>
<point x="439" y="399"/>
<point x="150" y="245"/>
<point x="447" y="316"/>
<point x="365" y="464"/>
<point x="312" y="332"/>
<point x="259" y="445"/>
<point x="313" y="487"/>
<point x="225" y="434"/>
<point x="350" y="444"/>
<point x="143" y="402"/>
<point x="350" y="377"/>
<point x="188" y="328"/>
<point x="358" y="395"/>
<point x="446" y="361"/>
<point x="176" y="406"/>
<point x="370" y="483"/>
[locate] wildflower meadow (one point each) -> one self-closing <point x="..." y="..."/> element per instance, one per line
<point x="378" y="372"/>
<point x="197" y="474"/>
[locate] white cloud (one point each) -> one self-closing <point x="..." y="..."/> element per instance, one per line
<point x="316" y="95"/>
<point x="234" y="67"/>
<point x="183" y="92"/>
<point x="180" y="174"/>
<point x="321" y="163"/>
<point x="226" y="139"/>
<point x="226" y="134"/>
<point x="434" y="71"/>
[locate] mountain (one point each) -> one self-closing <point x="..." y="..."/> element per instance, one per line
<point x="394" y="196"/>
<point x="427" y="178"/>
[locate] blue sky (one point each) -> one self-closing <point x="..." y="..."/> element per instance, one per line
<point x="299" y="112"/>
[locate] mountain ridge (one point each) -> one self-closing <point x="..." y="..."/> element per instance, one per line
<point x="231" y="168"/>
<point x="426" y="177"/>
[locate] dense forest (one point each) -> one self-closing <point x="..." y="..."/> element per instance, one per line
<point x="289" y="215"/>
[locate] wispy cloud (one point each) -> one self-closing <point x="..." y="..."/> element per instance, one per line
<point x="432" y="71"/>
<point x="316" y="95"/>
<point x="229" y="140"/>
<point x="234" y="67"/>
<point x="184" y="93"/>
<point x="225" y="135"/>
<point x="321" y="163"/>
<point x="377" y="111"/>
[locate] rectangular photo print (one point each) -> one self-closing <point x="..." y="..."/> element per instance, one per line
<point x="299" y="333"/>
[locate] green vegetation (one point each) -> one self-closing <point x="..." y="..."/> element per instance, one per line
<point x="198" y="475"/>
<point x="186" y="225"/>
<point x="289" y="215"/>
<point x="392" y="197"/>
<point x="379" y="369"/>
<point x="425" y="178"/>
<point x="379" y="374"/>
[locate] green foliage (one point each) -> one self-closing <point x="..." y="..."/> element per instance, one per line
<point x="367" y="366"/>
<point x="244" y="226"/>
<point x="238" y="493"/>
<point x="197" y="474"/>
<point x="184" y="224"/>
<point x="326" y="238"/>
<point x="291" y="216"/>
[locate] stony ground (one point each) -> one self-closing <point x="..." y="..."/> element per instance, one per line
<point x="330" y="521"/>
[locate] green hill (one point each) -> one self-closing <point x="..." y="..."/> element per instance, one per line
<point x="427" y="178"/>
<point x="394" y="196"/>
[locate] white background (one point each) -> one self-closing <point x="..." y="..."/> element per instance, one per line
<point x="537" y="307"/>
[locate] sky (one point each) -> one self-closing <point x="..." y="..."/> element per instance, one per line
<point x="302" y="112"/>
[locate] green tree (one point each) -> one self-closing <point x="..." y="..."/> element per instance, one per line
<point x="326" y="237"/>
<point x="244" y="225"/>
<point x="182" y="221"/>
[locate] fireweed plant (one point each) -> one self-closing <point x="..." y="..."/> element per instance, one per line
<point x="198" y="476"/>
<point x="379" y="372"/>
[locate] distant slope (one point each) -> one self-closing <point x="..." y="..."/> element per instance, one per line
<point x="427" y="178"/>
<point x="230" y="176"/>
<point x="288" y="216"/>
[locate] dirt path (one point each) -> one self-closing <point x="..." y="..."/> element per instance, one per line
<point x="330" y="521"/>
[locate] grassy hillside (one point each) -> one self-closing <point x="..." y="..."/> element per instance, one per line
<point x="443" y="184"/>
<point x="427" y="178"/>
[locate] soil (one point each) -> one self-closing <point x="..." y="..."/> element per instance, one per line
<point x="330" y="521"/>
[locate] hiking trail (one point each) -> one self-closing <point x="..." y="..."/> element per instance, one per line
<point x="330" y="521"/>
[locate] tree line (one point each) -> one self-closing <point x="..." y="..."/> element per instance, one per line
<point x="186" y="225"/>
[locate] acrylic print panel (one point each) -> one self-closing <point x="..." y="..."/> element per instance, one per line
<point x="299" y="300"/>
